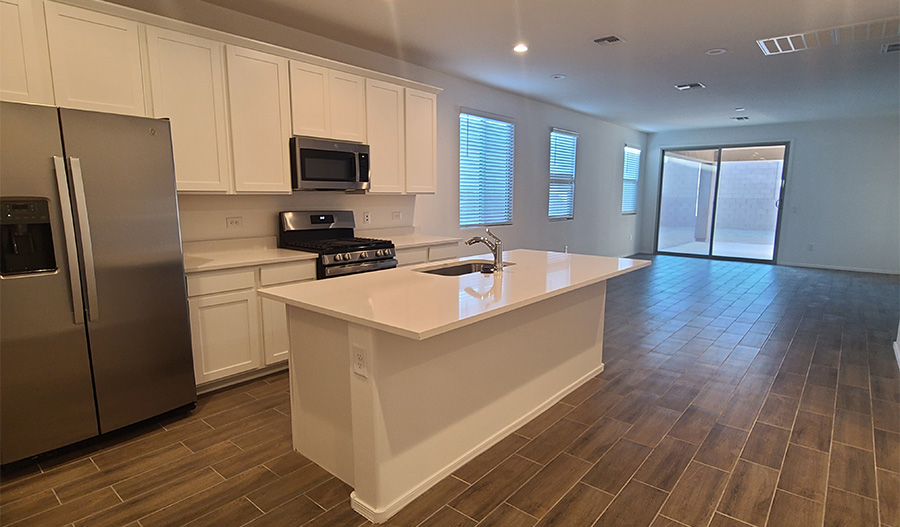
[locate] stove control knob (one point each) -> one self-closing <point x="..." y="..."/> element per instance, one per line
<point x="363" y="255"/>
<point x="338" y="257"/>
<point x="346" y="256"/>
<point x="379" y="252"/>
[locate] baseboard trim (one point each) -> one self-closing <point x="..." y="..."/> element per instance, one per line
<point x="240" y="378"/>
<point x="838" y="268"/>
<point x="383" y="515"/>
<point x="897" y="353"/>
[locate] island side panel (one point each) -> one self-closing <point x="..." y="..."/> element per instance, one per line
<point x="319" y="366"/>
<point x="429" y="406"/>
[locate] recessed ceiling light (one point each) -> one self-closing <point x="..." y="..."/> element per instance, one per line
<point x="716" y="51"/>
<point x="520" y="48"/>
<point x="740" y="109"/>
<point x="557" y="76"/>
<point x="691" y="86"/>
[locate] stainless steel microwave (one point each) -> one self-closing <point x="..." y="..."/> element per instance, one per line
<point x="322" y="164"/>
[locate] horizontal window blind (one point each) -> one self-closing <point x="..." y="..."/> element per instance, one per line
<point x="563" y="146"/>
<point x="630" y="179"/>
<point x="485" y="171"/>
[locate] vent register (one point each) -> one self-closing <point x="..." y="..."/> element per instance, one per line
<point x="864" y="31"/>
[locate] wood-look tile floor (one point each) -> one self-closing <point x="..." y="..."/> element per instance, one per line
<point x="735" y="394"/>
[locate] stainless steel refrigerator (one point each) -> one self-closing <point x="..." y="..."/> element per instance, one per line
<point x="94" y="328"/>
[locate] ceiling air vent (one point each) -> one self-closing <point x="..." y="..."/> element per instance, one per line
<point x="691" y="86"/>
<point x="611" y="39"/>
<point x="741" y="118"/>
<point x="890" y="48"/>
<point x="863" y="31"/>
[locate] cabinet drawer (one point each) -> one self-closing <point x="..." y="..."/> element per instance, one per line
<point x="292" y="272"/>
<point x="413" y="255"/>
<point x="220" y="281"/>
<point x="443" y="252"/>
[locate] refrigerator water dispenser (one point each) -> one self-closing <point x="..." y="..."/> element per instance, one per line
<point x="26" y="243"/>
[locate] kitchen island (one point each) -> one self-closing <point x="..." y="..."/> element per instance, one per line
<point x="399" y="377"/>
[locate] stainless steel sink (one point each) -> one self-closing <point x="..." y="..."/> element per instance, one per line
<point x="461" y="268"/>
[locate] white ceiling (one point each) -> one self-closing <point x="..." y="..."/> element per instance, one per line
<point x="630" y="83"/>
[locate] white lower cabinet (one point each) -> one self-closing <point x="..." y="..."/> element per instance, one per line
<point x="276" y="343"/>
<point x="225" y="334"/>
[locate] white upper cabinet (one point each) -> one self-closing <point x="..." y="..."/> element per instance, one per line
<point x="421" y="141"/>
<point x="187" y="83"/>
<point x="327" y="103"/>
<point x="260" y="108"/>
<point x="96" y="60"/>
<point x="384" y="126"/>
<point x="24" y="59"/>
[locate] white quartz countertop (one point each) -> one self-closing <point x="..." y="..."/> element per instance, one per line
<point x="419" y="305"/>
<point x="229" y="254"/>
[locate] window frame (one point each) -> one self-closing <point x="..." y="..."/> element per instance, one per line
<point x="626" y="180"/>
<point x="559" y="177"/>
<point x="465" y="113"/>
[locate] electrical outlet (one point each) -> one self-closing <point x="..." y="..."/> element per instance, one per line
<point x="367" y="218"/>
<point x="359" y="361"/>
<point x="397" y="215"/>
<point x="234" y="222"/>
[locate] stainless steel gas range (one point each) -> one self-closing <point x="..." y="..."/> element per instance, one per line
<point x="330" y="235"/>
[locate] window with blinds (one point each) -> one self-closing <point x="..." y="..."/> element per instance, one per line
<point x="562" y="174"/>
<point x="630" y="180"/>
<point x="485" y="171"/>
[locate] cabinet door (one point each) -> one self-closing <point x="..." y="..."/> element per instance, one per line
<point x="347" y="106"/>
<point x="309" y="100"/>
<point x="96" y="61"/>
<point x="276" y="343"/>
<point x="384" y="129"/>
<point x="24" y="59"/>
<point x="260" y="108"/>
<point x="187" y="81"/>
<point x="421" y="141"/>
<point x="225" y="334"/>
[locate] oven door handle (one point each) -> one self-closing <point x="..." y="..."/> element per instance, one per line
<point x="340" y="270"/>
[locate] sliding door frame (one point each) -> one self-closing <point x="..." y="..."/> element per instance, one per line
<point x="781" y="192"/>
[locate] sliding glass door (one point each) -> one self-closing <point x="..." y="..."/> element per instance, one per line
<point x="721" y="202"/>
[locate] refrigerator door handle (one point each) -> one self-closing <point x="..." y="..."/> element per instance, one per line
<point x="69" y="230"/>
<point x="87" y="247"/>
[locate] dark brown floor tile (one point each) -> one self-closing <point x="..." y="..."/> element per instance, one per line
<point x="714" y="396"/>
<point x="822" y="376"/>
<point x="287" y="463"/>
<point x="662" y="521"/>
<point x="447" y="517"/>
<point x="652" y="426"/>
<point x="843" y="509"/>
<point x="593" y="408"/>
<point x="253" y="457"/>
<point x="277" y="428"/>
<point x="853" y="428"/>
<point x="294" y="513"/>
<point x="110" y="458"/>
<point x="330" y="493"/>
<point x="889" y="497"/>
<point x="164" y="474"/>
<point x="246" y="410"/>
<point x="812" y="430"/>
<point x="694" y="424"/>
<point x="749" y="493"/>
<point x="238" y="512"/>
<point x="270" y="388"/>
<point x="490" y="458"/>
<point x="209" y="499"/>
<point x="659" y="382"/>
<point x="27" y="506"/>
<point x="598" y="438"/>
<point x="885" y="389"/>
<point x="287" y="488"/>
<point x="18" y="489"/>
<point x="853" y="398"/>
<point x="340" y="516"/>
<point x="632" y="406"/>
<point x="766" y="445"/>
<point x="722" y="447"/>
<point x="720" y="520"/>
<point x="615" y="468"/>
<point x="547" y="486"/>
<point x="679" y="396"/>
<point x="805" y="473"/>
<point x="233" y="429"/>
<point x="491" y="490"/>
<point x="788" y="385"/>
<point x="853" y="470"/>
<point x="854" y="375"/>
<point x="74" y="510"/>
<point x="426" y="504"/>
<point x="886" y="415"/>
<point x="548" y="417"/>
<point x="578" y="395"/>
<point x="779" y="411"/>
<point x="580" y="506"/>
<point x="818" y="400"/>
<point x="887" y="450"/>
<point x="741" y="411"/>
<point x="694" y="498"/>
<point x="788" y="509"/>
<point x="622" y="511"/>
<point x="666" y="463"/>
<point x="508" y="516"/>
<point x="552" y="441"/>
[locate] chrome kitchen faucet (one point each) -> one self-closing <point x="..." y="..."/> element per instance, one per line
<point x="495" y="245"/>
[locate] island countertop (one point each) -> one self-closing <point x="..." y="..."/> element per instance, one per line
<point x="416" y="305"/>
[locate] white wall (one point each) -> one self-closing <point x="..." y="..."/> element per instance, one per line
<point x="842" y="192"/>
<point x="598" y="227"/>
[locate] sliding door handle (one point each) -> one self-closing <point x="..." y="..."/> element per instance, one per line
<point x="65" y="206"/>
<point x="87" y="248"/>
